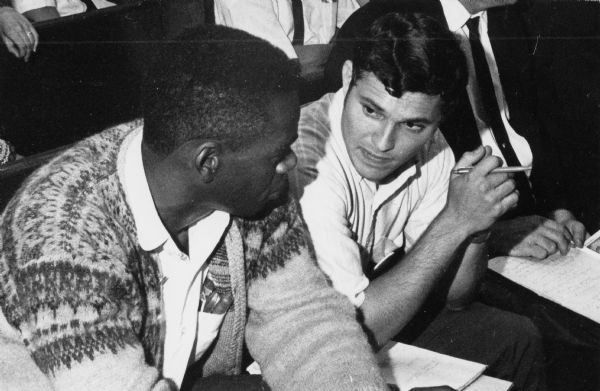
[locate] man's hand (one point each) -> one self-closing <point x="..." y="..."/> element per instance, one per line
<point x="536" y="236"/>
<point x="575" y="228"/>
<point x="17" y="33"/>
<point x="477" y="199"/>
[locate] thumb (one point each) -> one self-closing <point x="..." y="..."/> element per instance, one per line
<point x="471" y="158"/>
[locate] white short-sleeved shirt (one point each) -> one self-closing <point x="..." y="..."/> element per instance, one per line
<point x="273" y="21"/>
<point x="353" y="221"/>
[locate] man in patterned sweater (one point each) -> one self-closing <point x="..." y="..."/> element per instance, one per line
<point x="107" y="252"/>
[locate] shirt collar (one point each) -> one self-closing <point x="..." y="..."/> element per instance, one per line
<point x="456" y="14"/>
<point x="335" y="119"/>
<point x="150" y="230"/>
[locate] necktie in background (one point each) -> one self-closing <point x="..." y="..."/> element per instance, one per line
<point x="492" y="110"/>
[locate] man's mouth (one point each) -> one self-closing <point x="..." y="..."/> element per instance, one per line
<point x="373" y="158"/>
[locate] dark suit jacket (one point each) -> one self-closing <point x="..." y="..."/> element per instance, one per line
<point x="513" y="50"/>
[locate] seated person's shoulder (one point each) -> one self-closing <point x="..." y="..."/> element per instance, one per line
<point x="73" y="184"/>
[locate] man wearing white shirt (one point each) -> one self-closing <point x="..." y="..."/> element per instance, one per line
<point x="392" y="228"/>
<point x="172" y="241"/>
<point x="540" y="225"/>
<point x="39" y="10"/>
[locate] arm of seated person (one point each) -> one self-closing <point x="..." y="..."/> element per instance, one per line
<point x="41" y="14"/>
<point x="325" y="349"/>
<point x="536" y="236"/>
<point x="473" y="204"/>
<point x="469" y="273"/>
<point x="17" y="33"/>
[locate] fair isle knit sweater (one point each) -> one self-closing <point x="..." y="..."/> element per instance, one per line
<point x="86" y="299"/>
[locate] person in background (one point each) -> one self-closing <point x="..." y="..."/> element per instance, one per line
<point x="496" y="109"/>
<point x="395" y="231"/>
<point x="302" y="29"/>
<point x="19" y="36"/>
<point x="39" y="10"/>
<point x="172" y="241"/>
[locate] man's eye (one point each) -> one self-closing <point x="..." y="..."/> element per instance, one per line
<point x="370" y="112"/>
<point x="414" y="126"/>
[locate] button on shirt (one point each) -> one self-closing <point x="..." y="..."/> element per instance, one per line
<point x="182" y="275"/>
<point x="352" y="220"/>
<point x="457" y="17"/>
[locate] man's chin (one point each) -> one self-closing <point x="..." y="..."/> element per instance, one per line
<point x="273" y="201"/>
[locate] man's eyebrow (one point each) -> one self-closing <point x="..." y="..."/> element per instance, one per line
<point x="368" y="100"/>
<point x="420" y="120"/>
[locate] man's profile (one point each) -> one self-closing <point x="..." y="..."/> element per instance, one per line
<point x="171" y="241"/>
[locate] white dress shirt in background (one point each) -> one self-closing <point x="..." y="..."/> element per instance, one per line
<point x="457" y="17"/>
<point x="273" y="20"/>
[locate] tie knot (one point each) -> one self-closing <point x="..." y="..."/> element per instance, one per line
<point x="473" y="25"/>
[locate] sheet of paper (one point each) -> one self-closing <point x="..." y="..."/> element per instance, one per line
<point x="409" y="366"/>
<point x="488" y="383"/>
<point x="572" y="281"/>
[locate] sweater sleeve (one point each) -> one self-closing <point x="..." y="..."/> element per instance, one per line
<point x="303" y="334"/>
<point x="66" y="289"/>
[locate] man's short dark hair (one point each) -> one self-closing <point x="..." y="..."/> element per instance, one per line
<point x="213" y="82"/>
<point x="411" y="53"/>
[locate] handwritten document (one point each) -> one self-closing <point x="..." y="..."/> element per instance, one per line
<point x="488" y="383"/>
<point x="409" y="366"/>
<point x="572" y="281"/>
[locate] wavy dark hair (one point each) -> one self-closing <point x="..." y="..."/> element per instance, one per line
<point x="412" y="53"/>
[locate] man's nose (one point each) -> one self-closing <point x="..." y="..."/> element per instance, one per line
<point x="384" y="140"/>
<point x="287" y="164"/>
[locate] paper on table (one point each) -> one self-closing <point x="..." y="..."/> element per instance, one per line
<point x="487" y="383"/>
<point x="572" y="281"/>
<point x="409" y="366"/>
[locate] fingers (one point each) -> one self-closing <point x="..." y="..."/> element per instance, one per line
<point x="12" y="48"/>
<point x="471" y="158"/>
<point x="558" y="233"/>
<point x="528" y="250"/>
<point x="578" y="233"/>
<point x="36" y="38"/>
<point x="22" y="35"/>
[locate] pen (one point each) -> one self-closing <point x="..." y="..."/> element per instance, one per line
<point x="466" y="170"/>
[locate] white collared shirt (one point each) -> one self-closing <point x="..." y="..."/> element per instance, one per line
<point x="273" y="21"/>
<point x="182" y="275"/>
<point x="457" y="17"/>
<point x="352" y="221"/>
<point x="64" y="7"/>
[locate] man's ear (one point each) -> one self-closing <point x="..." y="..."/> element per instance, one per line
<point x="346" y="76"/>
<point x="207" y="160"/>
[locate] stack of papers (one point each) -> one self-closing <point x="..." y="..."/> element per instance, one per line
<point x="572" y="280"/>
<point x="409" y="366"/>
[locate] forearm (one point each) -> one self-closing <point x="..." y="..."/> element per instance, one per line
<point x="324" y="350"/>
<point x="468" y="276"/>
<point x="394" y="298"/>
